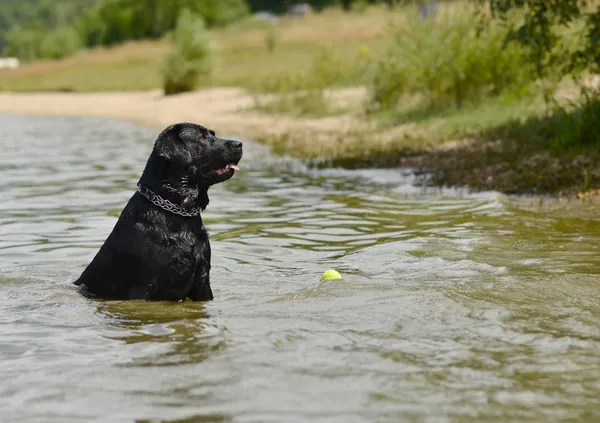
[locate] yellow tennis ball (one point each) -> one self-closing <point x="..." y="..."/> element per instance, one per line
<point x="330" y="275"/>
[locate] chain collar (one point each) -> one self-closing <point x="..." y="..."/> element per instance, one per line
<point x="165" y="204"/>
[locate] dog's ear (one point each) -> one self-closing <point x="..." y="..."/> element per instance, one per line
<point x="170" y="147"/>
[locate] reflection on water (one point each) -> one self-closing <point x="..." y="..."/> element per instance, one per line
<point x="453" y="307"/>
<point x="184" y="331"/>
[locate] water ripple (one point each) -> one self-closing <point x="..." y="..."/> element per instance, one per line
<point x="454" y="306"/>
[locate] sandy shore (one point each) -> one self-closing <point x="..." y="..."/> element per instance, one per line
<point x="226" y="110"/>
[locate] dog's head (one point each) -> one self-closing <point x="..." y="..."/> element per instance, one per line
<point x="186" y="160"/>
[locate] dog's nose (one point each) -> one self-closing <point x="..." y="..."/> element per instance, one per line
<point x="236" y="145"/>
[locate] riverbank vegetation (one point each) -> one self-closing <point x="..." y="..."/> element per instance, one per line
<point x="25" y="25"/>
<point x="486" y="93"/>
<point x="514" y="89"/>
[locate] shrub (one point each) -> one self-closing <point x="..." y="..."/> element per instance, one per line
<point x="192" y="55"/>
<point x="23" y="43"/>
<point x="448" y="62"/>
<point x="220" y="12"/>
<point x="92" y="29"/>
<point x="359" y="6"/>
<point x="62" y="42"/>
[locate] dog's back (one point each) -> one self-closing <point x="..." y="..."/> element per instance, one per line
<point x="149" y="255"/>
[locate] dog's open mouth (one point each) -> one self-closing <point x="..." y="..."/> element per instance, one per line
<point x="227" y="168"/>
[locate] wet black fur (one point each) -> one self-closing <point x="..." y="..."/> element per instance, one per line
<point x="153" y="254"/>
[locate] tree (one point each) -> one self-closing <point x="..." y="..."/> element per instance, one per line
<point x="539" y="25"/>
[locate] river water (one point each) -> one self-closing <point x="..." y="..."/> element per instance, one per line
<point x="453" y="307"/>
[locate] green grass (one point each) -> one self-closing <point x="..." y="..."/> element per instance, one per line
<point x="304" y="92"/>
<point x="244" y="58"/>
<point x="245" y="68"/>
<point x="127" y="76"/>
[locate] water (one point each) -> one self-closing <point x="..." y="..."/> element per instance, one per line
<point x="453" y="307"/>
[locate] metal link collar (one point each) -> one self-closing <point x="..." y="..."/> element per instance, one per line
<point x="165" y="204"/>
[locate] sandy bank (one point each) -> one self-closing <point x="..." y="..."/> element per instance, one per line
<point x="225" y="110"/>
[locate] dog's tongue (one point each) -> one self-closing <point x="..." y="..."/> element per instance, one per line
<point x="226" y="168"/>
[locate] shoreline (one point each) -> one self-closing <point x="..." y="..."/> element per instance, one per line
<point x="224" y="110"/>
<point x="334" y="140"/>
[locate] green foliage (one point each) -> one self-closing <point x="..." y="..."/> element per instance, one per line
<point x="116" y="21"/>
<point x="358" y="6"/>
<point x="92" y="29"/>
<point x="192" y="55"/>
<point x="541" y="29"/>
<point x="105" y="22"/>
<point x="579" y="124"/>
<point x="32" y="44"/>
<point x="447" y="62"/>
<point x="109" y="22"/>
<point x="60" y="43"/>
<point x="38" y="15"/>
<point x="219" y="12"/>
<point x="23" y="43"/>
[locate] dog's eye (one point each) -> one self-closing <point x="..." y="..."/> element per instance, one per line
<point x="211" y="132"/>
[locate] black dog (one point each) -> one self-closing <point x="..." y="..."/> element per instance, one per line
<point x="159" y="248"/>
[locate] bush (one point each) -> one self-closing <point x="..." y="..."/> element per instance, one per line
<point x="359" y="6"/>
<point x="543" y="30"/>
<point x="62" y="42"/>
<point x="448" y="62"/>
<point x="23" y="43"/>
<point x="192" y="55"/>
<point x="220" y="12"/>
<point x="92" y="29"/>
